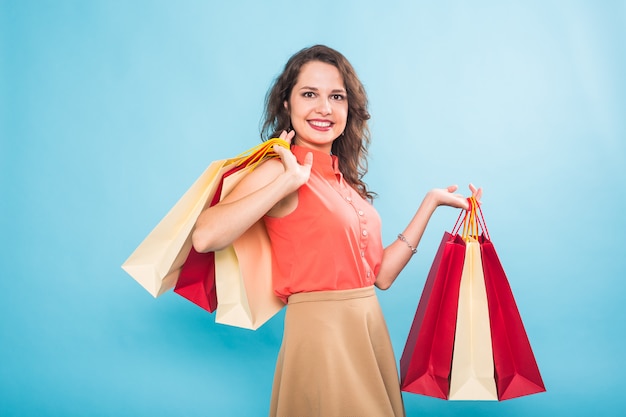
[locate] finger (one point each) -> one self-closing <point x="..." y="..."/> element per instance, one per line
<point x="308" y="159"/>
<point x="452" y="188"/>
<point x="479" y="194"/>
<point x="476" y="192"/>
<point x="280" y="150"/>
<point x="290" y="135"/>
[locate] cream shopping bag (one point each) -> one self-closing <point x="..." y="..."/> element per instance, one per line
<point x="243" y="275"/>
<point x="472" y="374"/>
<point x="157" y="261"/>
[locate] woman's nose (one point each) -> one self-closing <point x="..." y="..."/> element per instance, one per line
<point x="324" y="106"/>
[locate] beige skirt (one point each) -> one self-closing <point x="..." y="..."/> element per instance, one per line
<point x="336" y="358"/>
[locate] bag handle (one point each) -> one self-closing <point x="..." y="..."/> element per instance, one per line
<point x="250" y="158"/>
<point x="473" y="221"/>
<point x="468" y="222"/>
<point x="481" y="221"/>
<point x="459" y="222"/>
<point x="253" y="156"/>
<point x="470" y="225"/>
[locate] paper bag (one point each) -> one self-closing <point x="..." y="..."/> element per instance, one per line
<point x="472" y="374"/>
<point x="516" y="369"/>
<point x="243" y="274"/>
<point x="426" y="359"/>
<point x="157" y="261"/>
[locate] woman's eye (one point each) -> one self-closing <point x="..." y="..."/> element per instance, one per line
<point x="337" y="97"/>
<point x="308" y="94"/>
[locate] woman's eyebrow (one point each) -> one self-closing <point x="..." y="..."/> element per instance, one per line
<point x="336" y="90"/>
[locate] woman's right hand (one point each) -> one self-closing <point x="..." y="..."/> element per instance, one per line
<point x="270" y="187"/>
<point x="298" y="174"/>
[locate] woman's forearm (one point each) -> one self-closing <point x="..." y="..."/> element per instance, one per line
<point x="398" y="253"/>
<point x="218" y="226"/>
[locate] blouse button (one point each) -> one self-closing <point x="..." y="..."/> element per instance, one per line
<point x="348" y="199"/>
<point x="360" y="212"/>
<point x="364" y="232"/>
<point x="362" y="254"/>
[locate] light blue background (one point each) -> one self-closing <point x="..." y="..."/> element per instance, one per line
<point x="109" y="110"/>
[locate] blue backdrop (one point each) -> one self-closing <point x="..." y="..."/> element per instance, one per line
<point x="109" y="110"/>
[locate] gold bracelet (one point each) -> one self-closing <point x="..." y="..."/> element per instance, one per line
<point x="402" y="238"/>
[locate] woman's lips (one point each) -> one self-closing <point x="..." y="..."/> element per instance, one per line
<point x="321" y="125"/>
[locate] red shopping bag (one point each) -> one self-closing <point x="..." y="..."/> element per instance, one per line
<point x="196" y="281"/>
<point x="426" y="361"/>
<point x="516" y="370"/>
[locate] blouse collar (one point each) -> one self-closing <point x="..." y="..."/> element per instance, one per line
<point x="327" y="165"/>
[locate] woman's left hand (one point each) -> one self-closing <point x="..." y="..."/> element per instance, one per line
<point x="449" y="197"/>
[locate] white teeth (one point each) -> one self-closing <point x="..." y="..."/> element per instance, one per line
<point x="320" y="124"/>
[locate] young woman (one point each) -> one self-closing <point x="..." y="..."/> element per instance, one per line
<point x="336" y="357"/>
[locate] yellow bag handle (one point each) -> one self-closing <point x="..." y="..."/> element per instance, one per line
<point x="253" y="156"/>
<point x="470" y="222"/>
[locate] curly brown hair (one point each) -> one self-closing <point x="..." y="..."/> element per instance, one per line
<point x="351" y="148"/>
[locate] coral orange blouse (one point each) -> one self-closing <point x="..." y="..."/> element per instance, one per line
<point x="331" y="241"/>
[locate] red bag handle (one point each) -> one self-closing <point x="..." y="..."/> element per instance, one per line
<point x="481" y="221"/>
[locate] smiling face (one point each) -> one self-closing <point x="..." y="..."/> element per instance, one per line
<point x="318" y="106"/>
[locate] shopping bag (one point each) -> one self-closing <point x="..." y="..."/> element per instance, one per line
<point x="196" y="281"/>
<point x="516" y="370"/>
<point x="243" y="275"/>
<point x="472" y="373"/>
<point x="156" y="263"/>
<point x="426" y="359"/>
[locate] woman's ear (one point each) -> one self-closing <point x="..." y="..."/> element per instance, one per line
<point x="286" y="104"/>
